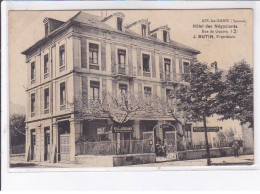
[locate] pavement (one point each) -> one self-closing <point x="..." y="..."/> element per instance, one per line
<point x="222" y="161"/>
<point x="19" y="162"/>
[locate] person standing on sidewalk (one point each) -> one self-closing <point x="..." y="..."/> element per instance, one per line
<point x="235" y="146"/>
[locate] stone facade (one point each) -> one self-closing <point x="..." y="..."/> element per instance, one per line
<point x="85" y="50"/>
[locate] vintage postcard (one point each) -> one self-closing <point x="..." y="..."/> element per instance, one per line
<point x="132" y="88"/>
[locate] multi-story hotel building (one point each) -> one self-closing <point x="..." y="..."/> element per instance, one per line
<point x="89" y="55"/>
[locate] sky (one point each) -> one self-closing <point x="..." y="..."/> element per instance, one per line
<point x="26" y="27"/>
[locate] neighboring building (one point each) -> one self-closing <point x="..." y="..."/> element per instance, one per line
<point x="88" y="55"/>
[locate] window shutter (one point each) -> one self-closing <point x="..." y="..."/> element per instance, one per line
<point x="36" y="103"/>
<point x="140" y="89"/>
<point x="42" y="100"/>
<point x="154" y="90"/>
<point x="113" y="57"/>
<point x="103" y="56"/>
<point x="138" y="56"/>
<point x="104" y="86"/>
<point x="153" y="65"/>
<point x="130" y="60"/>
<point x="180" y="66"/>
<point x="131" y="88"/>
<point x="84" y="84"/>
<point x="163" y="92"/>
<point x="161" y="66"/>
<point x="173" y="68"/>
<point x="114" y="88"/>
<point x="83" y="52"/>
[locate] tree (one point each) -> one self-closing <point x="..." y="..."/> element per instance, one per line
<point x="119" y="109"/>
<point x="198" y="95"/>
<point x="17" y="129"/>
<point x="235" y="101"/>
<point x="173" y="107"/>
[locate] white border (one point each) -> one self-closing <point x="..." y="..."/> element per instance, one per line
<point x="243" y="177"/>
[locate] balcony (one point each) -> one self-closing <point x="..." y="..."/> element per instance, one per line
<point x="147" y="74"/>
<point x="167" y="79"/>
<point x="119" y="73"/>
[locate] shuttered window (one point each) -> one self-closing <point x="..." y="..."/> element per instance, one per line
<point x="93" y="55"/>
<point x="165" y="36"/>
<point x="62" y="93"/>
<point x="186" y="68"/>
<point x="62" y="55"/>
<point x="94" y="90"/>
<point x="46" y="64"/>
<point x="146" y="63"/>
<point x="121" y="58"/>
<point x="147" y="91"/>
<point x="32" y="71"/>
<point x="123" y="89"/>
<point x="143" y="30"/>
<point x="33" y="104"/>
<point x="46" y="100"/>
<point x="167" y="65"/>
<point x="119" y="24"/>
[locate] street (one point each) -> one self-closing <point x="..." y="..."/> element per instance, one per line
<point x="18" y="162"/>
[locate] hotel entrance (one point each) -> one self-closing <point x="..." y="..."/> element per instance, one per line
<point x="64" y="141"/>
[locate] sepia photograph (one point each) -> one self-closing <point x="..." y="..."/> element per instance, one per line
<point x="130" y="88"/>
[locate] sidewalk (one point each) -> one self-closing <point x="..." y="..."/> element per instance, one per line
<point x="223" y="161"/>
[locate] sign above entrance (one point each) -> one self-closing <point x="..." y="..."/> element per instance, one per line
<point x="209" y="129"/>
<point x="123" y="129"/>
<point x="103" y="130"/>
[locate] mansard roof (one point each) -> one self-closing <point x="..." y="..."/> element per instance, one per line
<point x="118" y="14"/>
<point x="165" y="27"/>
<point x="139" y="21"/>
<point x="98" y="22"/>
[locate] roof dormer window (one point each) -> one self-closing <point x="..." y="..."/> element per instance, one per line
<point x="46" y="29"/>
<point x="165" y="36"/>
<point x="144" y="30"/>
<point x="119" y="23"/>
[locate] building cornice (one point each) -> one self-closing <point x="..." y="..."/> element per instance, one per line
<point x="143" y="38"/>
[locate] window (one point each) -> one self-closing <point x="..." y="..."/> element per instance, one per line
<point x="121" y="58"/>
<point x="33" y="104"/>
<point x="46" y="29"/>
<point x="123" y="93"/>
<point x="46" y="100"/>
<point x="47" y="135"/>
<point x="169" y="95"/>
<point x="62" y="57"/>
<point x="94" y="90"/>
<point x="143" y="30"/>
<point x="186" y="67"/>
<point x="93" y="56"/>
<point x="32" y="71"/>
<point x="147" y="91"/>
<point x="62" y="94"/>
<point x="123" y="89"/>
<point x="167" y="65"/>
<point x="46" y="64"/>
<point x="165" y="36"/>
<point x="146" y="65"/>
<point x="119" y="24"/>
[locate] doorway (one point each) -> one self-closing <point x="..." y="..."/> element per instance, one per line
<point x="64" y="141"/>
<point x="47" y="148"/>
<point x="33" y="144"/>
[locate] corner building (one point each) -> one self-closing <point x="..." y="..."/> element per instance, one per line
<point x="87" y="56"/>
